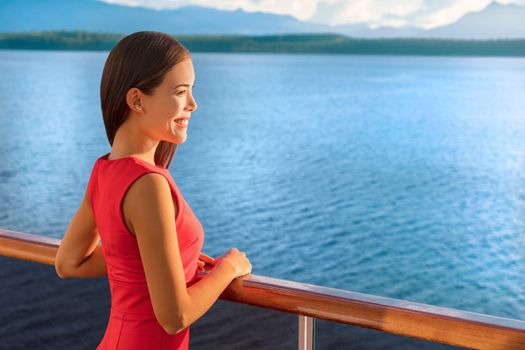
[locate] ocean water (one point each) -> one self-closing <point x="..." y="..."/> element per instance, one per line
<point x="395" y="176"/>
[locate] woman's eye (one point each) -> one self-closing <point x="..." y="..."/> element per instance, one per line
<point x="181" y="92"/>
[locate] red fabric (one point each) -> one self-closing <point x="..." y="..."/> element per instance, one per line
<point x="132" y="323"/>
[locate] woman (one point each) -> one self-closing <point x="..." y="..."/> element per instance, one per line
<point x="151" y="240"/>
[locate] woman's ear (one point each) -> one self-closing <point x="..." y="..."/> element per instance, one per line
<point x="134" y="101"/>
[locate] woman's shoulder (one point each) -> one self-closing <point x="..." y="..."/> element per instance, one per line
<point x="135" y="179"/>
<point x="148" y="200"/>
<point x="150" y="184"/>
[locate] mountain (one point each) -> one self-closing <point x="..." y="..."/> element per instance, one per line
<point x="494" y="22"/>
<point x="364" y="31"/>
<point x="97" y="16"/>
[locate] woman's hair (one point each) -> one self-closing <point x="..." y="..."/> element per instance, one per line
<point x="138" y="60"/>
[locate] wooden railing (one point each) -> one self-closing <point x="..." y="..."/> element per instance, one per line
<point x="310" y="302"/>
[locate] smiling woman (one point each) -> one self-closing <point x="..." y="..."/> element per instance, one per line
<point x="161" y="113"/>
<point x="151" y="239"/>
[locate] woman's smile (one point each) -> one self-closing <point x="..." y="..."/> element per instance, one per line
<point x="181" y="123"/>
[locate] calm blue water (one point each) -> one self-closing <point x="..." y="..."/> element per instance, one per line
<point x="396" y="176"/>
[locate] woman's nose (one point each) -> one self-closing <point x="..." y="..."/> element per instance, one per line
<point x="193" y="104"/>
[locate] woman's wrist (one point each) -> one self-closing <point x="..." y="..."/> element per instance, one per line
<point x="227" y="267"/>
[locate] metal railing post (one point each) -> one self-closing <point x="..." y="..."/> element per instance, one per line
<point x="306" y="332"/>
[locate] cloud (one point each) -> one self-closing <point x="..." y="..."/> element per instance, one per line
<point x="373" y="13"/>
<point x="300" y="9"/>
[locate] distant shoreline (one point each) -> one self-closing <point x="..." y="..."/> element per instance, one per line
<point x="286" y="43"/>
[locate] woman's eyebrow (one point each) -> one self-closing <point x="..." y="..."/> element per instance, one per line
<point x="187" y="85"/>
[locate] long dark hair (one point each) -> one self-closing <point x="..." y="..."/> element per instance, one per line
<point x="138" y="60"/>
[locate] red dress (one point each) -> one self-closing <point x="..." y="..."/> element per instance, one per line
<point x="132" y="323"/>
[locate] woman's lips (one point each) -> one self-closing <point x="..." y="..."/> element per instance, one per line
<point x="181" y="125"/>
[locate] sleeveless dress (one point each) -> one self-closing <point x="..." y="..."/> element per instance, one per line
<point x="132" y="323"/>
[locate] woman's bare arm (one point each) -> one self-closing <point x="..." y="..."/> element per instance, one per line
<point x="79" y="254"/>
<point x="150" y="209"/>
<point x="93" y="266"/>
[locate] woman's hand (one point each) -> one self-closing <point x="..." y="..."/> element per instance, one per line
<point x="205" y="260"/>
<point x="237" y="260"/>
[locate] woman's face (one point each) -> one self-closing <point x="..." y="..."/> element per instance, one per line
<point x="167" y="112"/>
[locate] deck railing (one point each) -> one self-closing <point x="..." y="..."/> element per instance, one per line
<point x="310" y="302"/>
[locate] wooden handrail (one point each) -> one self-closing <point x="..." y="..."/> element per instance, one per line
<point x="428" y="322"/>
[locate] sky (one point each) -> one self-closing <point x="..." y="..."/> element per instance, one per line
<point x="424" y="14"/>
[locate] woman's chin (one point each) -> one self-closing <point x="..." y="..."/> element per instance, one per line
<point x="178" y="139"/>
<point x="177" y="136"/>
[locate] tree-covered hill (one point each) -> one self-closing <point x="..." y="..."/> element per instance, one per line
<point x="289" y="43"/>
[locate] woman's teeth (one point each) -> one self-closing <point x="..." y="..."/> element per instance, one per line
<point x="181" y="122"/>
